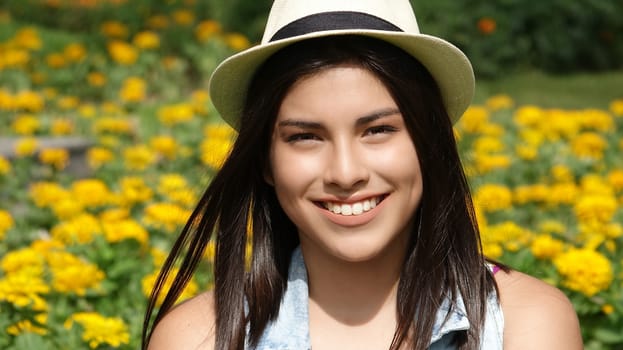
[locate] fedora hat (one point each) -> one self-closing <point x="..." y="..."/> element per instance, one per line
<point x="392" y="21"/>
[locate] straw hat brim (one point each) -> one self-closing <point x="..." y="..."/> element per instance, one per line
<point x="446" y="63"/>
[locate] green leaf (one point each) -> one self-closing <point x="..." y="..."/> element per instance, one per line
<point x="609" y="336"/>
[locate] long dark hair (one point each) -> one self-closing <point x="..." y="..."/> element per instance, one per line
<point x="444" y="254"/>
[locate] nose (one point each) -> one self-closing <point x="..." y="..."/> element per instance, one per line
<point x="346" y="168"/>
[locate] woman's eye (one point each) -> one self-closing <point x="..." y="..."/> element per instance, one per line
<point x="381" y="129"/>
<point x="301" y="137"/>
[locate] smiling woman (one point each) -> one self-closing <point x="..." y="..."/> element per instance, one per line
<point x="346" y="178"/>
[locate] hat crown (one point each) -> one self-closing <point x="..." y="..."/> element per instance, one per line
<point x="283" y="12"/>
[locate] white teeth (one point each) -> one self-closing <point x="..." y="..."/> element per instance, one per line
<point x="357" y="208"/>
<point x="347" y="209"/>
<point x="366" y="205"/>
<point x="337" y="209"/>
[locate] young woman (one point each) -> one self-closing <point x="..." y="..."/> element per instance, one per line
<point x="346" y="177"/>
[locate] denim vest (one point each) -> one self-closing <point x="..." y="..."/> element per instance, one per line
<point x="290" y="331"/>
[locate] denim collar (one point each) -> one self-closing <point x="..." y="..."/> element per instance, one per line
<point x="291" y="328"/>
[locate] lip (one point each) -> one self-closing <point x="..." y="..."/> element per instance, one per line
<point x="352" y="220"/>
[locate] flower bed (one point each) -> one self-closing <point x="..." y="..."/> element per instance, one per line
<point x="78" y="255"/>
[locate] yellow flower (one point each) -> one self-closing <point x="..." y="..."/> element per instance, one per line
<point x="183" y="17"/>
<point x="215" y="151"/>
<point x="23" y="290"/>
<point x="91" y="192"/>
<point x="98" y="156"/>
<point x="493" y="197"/>
<point x="96" y="79"/>
<point x="45" y="194"/>
<point x="114" y="29"/>
<point x="485" y="163"/>
<point x="71" y="274"/>
<point x="14" y="58"/>
<point x="26" y="147"/>
<point x="536" y="193"/>
<point x="68" y="102"/>
<point x="508" y="235"/>
<point x="527" y="152"/>
<point x="585" y="271"/>
<point x="28" y="38"/>
<point x="552" y="226"/>
<point x="25" y="124"/>
<point x="29" y="101"/>
<point x="546" y="247"/>
<point x="237" y="41"/>
<point x="615" y="178"/>
<point x="165" y="145"/>
<point x="55" y="60"/>
<point x="149" y="281"/>
<point x="61" y="126"/>
<point x="474" y="118"/>
<point x="25" y="261"/>
<point x="558" y="124"/>
<point x="75" y="52"/>
<point x="81" y="229"/>
<point x="598" y="208"/>
<point x="134" y="190"/>
<point x="113" y="125"/>
<point x="488" y="144"/>
<point x="166" y="216"/>
<point x="25" y="326"/>
<point x="200" y="99"/>
<point x="498" y="102"/>
<point x="138" y="157"/>
<point x="588" y="145"/>
<point x="56" y="157"/>
<point x="607" y="309"/>
<point x="528" y="116"/>
<point x="146" y="40"/>
<point x="174" y="114"/>
<point x="117" y="231"/>
<point x="616" y="107"/>
<point x="169" y="183"/>
<point x="596" y="119"/>
<point x="122" y="52"/>
<point x="207" y="29"/>
<point x="133" y="89"/>
<point x="158" y="256"/>
<point x="114" y="214"/>
<point x="67" y="208"/>
<point x="87" y="110"/>
<point x="100" y="330"/>
<point x="5" y="166"/>
<point x="219" y="130"/>
<point x="561" y="173"/>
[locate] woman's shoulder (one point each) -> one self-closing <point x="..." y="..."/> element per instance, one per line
<point x="536" y="314"/>
<point x="189" y="325"/>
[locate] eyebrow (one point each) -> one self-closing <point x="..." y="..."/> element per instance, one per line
<point x="360" y="121"/>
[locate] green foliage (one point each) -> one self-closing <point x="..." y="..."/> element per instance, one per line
<point x="175" y="75"/>
<point x="558" y="36"/>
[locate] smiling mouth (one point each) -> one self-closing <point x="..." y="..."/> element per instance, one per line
<point x="352" y="209"/>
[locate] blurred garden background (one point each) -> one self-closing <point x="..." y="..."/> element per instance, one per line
<point x="107" y="138"/>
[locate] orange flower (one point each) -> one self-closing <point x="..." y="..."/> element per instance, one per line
<point x="146" y="40"/>
<point x="122" y="52"/>
<point x="96" y="79"/>
<point x="486" y="25"/>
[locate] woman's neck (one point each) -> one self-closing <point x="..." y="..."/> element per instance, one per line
<point x="353" y="293"/>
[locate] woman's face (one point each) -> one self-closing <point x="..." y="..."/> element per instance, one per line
<point x="344" y="167"/>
